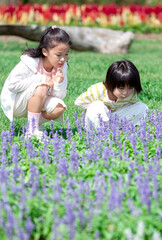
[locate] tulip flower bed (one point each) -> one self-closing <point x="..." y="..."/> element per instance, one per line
<point x="83" y="184"/>
<point x="134" y="17"/>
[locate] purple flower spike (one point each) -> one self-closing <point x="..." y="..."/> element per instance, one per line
<point x="29" y="226"/>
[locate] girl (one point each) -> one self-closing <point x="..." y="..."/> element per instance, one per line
<point x="117" y="93"/>
<point x="36" y="86"/>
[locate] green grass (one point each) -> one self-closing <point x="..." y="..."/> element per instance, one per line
<point x="87" y="68"/>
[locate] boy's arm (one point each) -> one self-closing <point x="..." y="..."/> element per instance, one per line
<point x="86" y="98"/>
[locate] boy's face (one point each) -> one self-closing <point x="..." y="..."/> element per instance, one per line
<point x="122" y="92"/>
<point x="55" y="57"/>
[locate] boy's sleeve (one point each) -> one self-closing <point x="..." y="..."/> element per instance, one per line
<point x="86" y="98"/>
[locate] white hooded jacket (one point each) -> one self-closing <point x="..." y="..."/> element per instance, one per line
<point x="21" y="77"/>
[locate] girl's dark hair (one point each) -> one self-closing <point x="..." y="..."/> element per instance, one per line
<point x="50" y="39"/>
<point x="123" y="73"/>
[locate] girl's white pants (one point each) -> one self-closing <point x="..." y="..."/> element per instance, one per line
<point x="132" y="112"/>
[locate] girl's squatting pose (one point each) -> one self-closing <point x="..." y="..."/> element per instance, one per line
<point x="118" y="94"/>
<point x="36" y="86"/>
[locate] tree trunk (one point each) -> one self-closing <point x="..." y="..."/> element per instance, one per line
<point x="8" y="2"/>
<point x="83" y="38"/>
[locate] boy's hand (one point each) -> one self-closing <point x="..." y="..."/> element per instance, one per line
<point x="58" y="76"/>
<point x="49" y="82"/>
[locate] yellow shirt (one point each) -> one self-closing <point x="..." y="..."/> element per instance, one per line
<point x="99" y="92"/>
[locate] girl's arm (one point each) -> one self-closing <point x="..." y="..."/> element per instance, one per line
<point x="59" y="89"/>
<point x="21" y="77"/>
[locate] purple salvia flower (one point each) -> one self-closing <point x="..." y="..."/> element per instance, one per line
<point x="132" y="166"/>
<point x="97" y="234"/>
<point x="70" y="220"/>
<point x="158" y="131"/>
<point x="62" y="147"/>
<point x="70" y="216"/>
<point x="23" y="130"/>
<point x="74" y="157"/>
<point x="2" y="220"/>
<point x="89" y="137"/>
<point x="158" y="153"/>
<point x="133" y="142"/>
<point x="105" y="154"/>
<point x="144" y="191"/>
<point x="33" y="174"/>
<point x="61" y="131"/>
<point x="57" y="190"/>
<point x="140" y="169"/>
<point x="128" y="179"/>
<point x="16" y="172"/>
<point x="56" y="146"/>
<point x="22" y="234"/>
<point x="5" y="146"/>
<point x="29" y="226"/>
<point x="102" y="124"/>
<point x="83" y="120"/>
<point x="15" y="153"/>
<point x="115" y="198"/>
<point x="78" y="125"/>
<point x="69" y="132"/>
<point x="134" y="211"/>
<point x="125" y="155"/>
<point x="62" y="167"/>
<point x="12" y="130"/>
<point x="42" y="154"/>
<point x="30" y="149"/>
<point x="35" y="187"/>
<point x="10" y="222"/>
<point x="155" y="188"/>
<point x="81" y="217"/>
<point x="44" y="188"/>
<point x="4" y="175"/>
<point x="52" y="127"/>
<point x="119" y="144"/>
<point x="124" y="124"/>
<point x="46" y="156"/>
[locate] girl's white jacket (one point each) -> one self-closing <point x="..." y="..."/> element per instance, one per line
<point x="21" y="77"/>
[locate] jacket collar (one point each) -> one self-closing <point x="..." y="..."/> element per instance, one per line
<point x="31" y="63"/>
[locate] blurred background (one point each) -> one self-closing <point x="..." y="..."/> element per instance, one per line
<point x="118" y="2"/>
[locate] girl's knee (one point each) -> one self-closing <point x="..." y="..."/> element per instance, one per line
<point x="58" y="111"/>
<point x="41" y="91"/>
<point x="60" y="108"/>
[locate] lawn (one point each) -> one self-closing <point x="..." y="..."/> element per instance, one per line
<point x="83" y="184"/>
<point x="86" y="68"/>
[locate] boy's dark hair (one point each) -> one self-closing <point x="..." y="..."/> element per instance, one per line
<point x="122" y="73"/>
<point x="50" y="39"/>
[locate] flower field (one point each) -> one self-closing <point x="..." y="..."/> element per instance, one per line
<point x="80" y="184"/>
<point x="136" y="18"/>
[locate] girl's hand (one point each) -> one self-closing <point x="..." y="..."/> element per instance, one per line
<point x="58" y="76"/>
<point x="49" y="82"/>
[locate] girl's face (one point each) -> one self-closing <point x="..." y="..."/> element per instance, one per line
<point x="55" y="57"/>
<point x="122" y="92"/>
